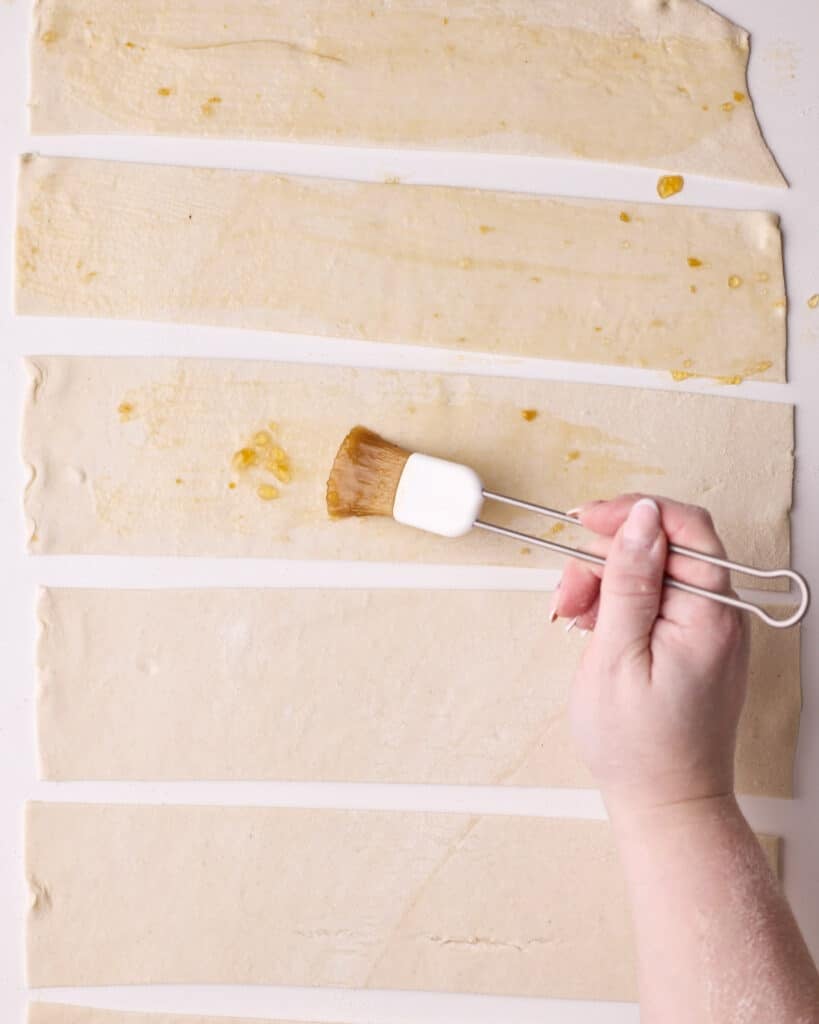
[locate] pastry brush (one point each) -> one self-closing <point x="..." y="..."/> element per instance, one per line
<point x="372" y="477"/>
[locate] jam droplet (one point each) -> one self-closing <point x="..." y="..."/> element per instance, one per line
<point x="694" y="262"/>
<point x="813" y="302"/>
<point x="669" y="185"/>
<point x="278" y="463"/>
<point x="245" y="458"/>
<point x="734" y="281"/>
<point x="529" y="414"/>
<point x="261" y="456"/>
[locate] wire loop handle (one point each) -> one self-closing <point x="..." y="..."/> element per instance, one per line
<point x="689" y="588"/>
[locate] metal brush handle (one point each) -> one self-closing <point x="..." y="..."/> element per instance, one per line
<point x="689" y="588"/>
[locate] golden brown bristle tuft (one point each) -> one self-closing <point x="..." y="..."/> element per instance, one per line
<point x="365" y="476"/>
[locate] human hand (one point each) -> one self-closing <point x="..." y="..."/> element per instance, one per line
<point x="657" y="697"/>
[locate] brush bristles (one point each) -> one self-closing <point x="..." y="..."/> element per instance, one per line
<point x="365" y="476"/>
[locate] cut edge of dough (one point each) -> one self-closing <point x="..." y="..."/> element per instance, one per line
<point x="36" y="379"/>
<point x="778" y="178"/>
<point x="772" y="848"/>
<point x="690" y="14"/>
<point x="44" y="616"/>
<point x="793" y="790"/>
<point x="40" y="1011"/>
<point x="773" y="176"/>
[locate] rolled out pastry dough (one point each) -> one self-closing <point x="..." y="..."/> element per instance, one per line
<point x="233" y="895"/>
<point x="57" y="1013"/>
<point x="447" y="687"/>
<point x="134" y="456"/>
<point x="629" y="81"/>
<point x="484" y="271"/>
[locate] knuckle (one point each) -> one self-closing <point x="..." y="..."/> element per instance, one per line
<point x="726" y="621"/>
<point x="730" y="626"/>
<point x="734" y="626"/>
<point x="702" y="517"/>
<point x="630" y="585"/>
<point x="700" y="574"/>
<point x="716" y="579"/>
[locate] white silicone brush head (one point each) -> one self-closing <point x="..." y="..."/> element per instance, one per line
<point x="438" y="496"/>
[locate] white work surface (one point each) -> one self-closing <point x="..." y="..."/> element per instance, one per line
<point x="785" y="89"/>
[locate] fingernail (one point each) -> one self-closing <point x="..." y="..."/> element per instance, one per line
<point x="585" y="632"/>
<point x="576" y="512"/>
<point x="553" y="605"/>
<point x="571" y="625"/>
<point x="642" y="527"/>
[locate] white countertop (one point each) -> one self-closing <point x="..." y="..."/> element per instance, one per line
<point x="785" y="88"/>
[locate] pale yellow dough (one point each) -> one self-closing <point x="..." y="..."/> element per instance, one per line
<point x="56" y="1013"/>
<point x="482" y="271"/>
<point x="136" y="456"/>
<point x="234" y="895"/>
<point x="643" y="82"/>
<point x="348" y="685"/>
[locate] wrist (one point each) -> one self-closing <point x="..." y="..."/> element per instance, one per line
<point x="643" y="823"/>
<point x="687" y="791"/>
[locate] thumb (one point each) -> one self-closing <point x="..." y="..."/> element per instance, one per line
<point x="632" y="582"/>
